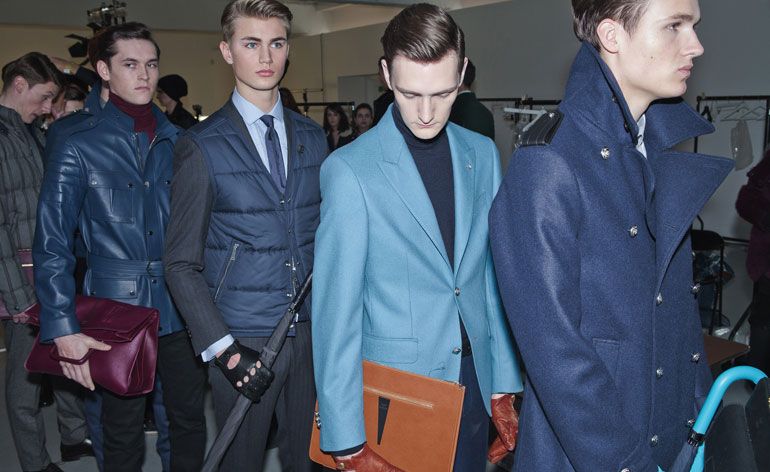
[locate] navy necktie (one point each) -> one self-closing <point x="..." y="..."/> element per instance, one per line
<point x="274" y="156"/>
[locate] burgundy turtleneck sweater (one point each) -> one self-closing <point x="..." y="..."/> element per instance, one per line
<point x="144" y="119"/>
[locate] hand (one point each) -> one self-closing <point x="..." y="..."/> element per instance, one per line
<point x="365" y="460"/>
<point x="506" y="421"/>
<point x="76" y="346"/>
<point x="22" y="317"/>
<point x="242" y="367"/>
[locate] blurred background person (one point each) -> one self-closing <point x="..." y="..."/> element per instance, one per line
<point x="362" y="121"/>
<point x="171" y="89"/>
<point x="335" y="123"/>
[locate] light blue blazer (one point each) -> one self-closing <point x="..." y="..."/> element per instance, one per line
<point x="383" y="288"/>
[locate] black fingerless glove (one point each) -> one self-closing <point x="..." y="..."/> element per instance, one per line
<point x="257" y="384"/>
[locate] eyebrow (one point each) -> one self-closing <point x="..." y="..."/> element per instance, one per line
<point x="258" y="40"/>
<point x="451" y="89"/>
<point x="682" y="17"/>
<point x="131" y="59"/>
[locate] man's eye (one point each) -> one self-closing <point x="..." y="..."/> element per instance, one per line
<point x="409" y="95"/>
<point x="674" y="26"/>
<point x="277" y="45"/>
<point x="251" y="45"/>
<point x="152" y="66"/>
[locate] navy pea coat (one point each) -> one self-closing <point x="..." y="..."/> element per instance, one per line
<point x="593" y="257"/>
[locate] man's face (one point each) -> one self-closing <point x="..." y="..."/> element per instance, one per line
<point x="655" y="61"/>
<point x="132" y="71"/>
<point x="35" y="101"/>
<point x="424" y="92"/>
<point x="257" y="51"/>
<point x="363" y="119"/>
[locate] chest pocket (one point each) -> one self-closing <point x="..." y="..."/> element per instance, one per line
<point x="112" y="196"/>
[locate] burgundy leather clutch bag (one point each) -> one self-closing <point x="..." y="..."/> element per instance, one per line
<point x="132" y="331"/>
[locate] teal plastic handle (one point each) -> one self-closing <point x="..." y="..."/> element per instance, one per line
<point x="713" y="400"/>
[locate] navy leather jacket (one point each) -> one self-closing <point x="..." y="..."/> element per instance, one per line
<point x="112" y="184"/>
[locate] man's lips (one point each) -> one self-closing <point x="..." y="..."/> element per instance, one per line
<point x="265" y="73"/>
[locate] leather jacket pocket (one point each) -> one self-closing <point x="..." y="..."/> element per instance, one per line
<point x="112" y="196"/>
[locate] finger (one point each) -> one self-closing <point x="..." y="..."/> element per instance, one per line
<point x="98" y="345"/>
<point x="65" y="369"/>
<point x="85" y="370"/>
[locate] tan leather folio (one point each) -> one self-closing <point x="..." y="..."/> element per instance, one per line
<point x="411" y="420"/>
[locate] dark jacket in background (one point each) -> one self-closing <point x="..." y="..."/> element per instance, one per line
<point x="237" y="248"/>
<point x="181" y="117"/>
<point x="21" y="174"/>
<point x="470" y="113"/>
<point x="106" y="180"/>
<point x="381" y="104"/>
<point x="753" y="205"/>
<point x="593" y="256"/>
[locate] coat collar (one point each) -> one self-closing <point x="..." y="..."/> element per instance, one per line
<point x="164" y="129"/>
<point x="593" y="93"/>
<point x="399" y="168"/>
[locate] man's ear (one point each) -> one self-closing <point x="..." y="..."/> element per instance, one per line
<point x="462" y="73"/>
<point x="385" y="72"/>
<point x="609" y="33"/>
<point x="20" y="84"/>
<point x="103" y="70"/>
<point x="227" y="55"/>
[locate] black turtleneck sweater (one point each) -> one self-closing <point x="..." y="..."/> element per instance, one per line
<point x="433" y="159"/>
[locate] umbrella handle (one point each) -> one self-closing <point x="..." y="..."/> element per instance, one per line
<point x="712" y="402"/>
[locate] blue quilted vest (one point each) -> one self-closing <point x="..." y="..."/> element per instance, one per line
<point x="259" y="247"/>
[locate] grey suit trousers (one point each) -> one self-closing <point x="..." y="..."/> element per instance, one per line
<point x="22" y="395"/>
<point x="291" y="398"/>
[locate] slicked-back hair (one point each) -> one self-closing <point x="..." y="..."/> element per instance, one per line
<point x="587" y="14"/>
<point x="104" y="45"/>
<point x="263" y="9"/>
<point x="34" y="67"/>
<point x="423" y="33"/>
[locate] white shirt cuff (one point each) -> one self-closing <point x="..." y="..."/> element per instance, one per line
<point x="222" y="344"/>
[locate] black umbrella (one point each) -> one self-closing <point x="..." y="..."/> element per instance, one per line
<point x="267" y="356"/>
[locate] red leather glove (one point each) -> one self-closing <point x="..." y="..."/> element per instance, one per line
<point x="366" y="460"/>
<point x="506" y="421"/>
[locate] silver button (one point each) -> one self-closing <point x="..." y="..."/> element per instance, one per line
<point x="457" y="291"/>
<point x="93" y="182"/>
<point x="317" y="420"/>
<point x="695" y="357"/>
<point x="605" y="153"/>
<point x="456" y="350"/>
<point x="659" y="372"/>
<point x="147" y="184"/>
<point x="469" y="166"/>
<point x="654" y="440"/>
<point x="691" y="422"/>
<point x="695" y="289"/>
<point x="633" y="231"/>
<point x="288" y="295"/>
<point x="287" y="264"/>
<point x="659" y="299"/>
<point x="626" y="469"/>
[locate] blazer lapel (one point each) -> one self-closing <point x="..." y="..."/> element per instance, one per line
<point x="463" y="173"/>
<point x="401" y="172"/>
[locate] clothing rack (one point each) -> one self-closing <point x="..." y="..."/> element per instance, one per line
<point x="307" y="105"/>
<point x="734" y="98"/>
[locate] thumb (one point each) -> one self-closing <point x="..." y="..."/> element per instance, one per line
<point x="98" y="345"/>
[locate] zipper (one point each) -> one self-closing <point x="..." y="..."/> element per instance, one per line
<point x="227" y="269"/>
